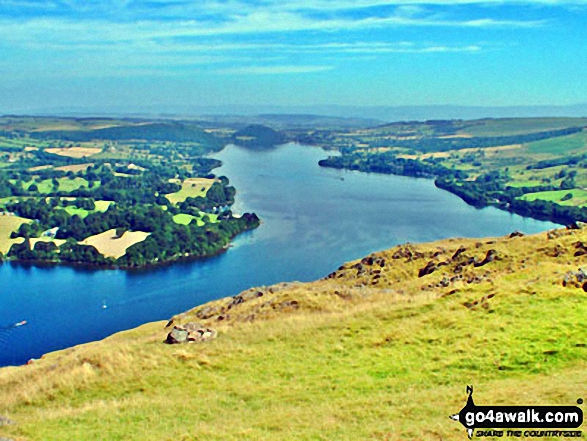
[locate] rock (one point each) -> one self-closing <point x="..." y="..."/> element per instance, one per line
<point x="516" y="234"/>
<point x="458" y="252"/>
<point x="430" y="268"/>
<point x="176" y="336"/>
<point x="190" y="332"/>
<point x="489" y="257"/>
<point x="4" y="421"/>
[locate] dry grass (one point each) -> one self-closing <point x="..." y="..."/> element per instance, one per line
<point x="351" y="359"/>
<point x="40" y="167"/>
<point x="8" y="224"/>
<point x="110" y="246"/>
<point x="75" y="167"/>
<point x="57" y="242"/>
<point x="190" y="188"/>
<point x="75" y="152"/>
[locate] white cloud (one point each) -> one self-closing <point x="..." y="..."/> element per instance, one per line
<point x="274" y="70"/>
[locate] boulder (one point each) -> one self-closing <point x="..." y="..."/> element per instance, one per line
<point x="176" y="336"/>
<point x="190" y="332"/>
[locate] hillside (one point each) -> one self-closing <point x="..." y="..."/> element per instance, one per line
<point x="382" y="348"/>
<point x="258" y="137"/>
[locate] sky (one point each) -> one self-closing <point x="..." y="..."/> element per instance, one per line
<point x="175" y="54"/>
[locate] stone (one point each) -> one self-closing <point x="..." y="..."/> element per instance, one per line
<point x="176" y="336"/>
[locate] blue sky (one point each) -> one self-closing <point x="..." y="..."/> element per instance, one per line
<point x="135" y="54"/>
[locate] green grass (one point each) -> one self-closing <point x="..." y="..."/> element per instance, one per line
<point x="68" y="185"/>
<point x="560" y="145"/>
<point x="520" y="126"/>
<point x="390" y="362"/>
<point x="65" y="185"/>
<point x="191" y="188"/>
<point x="579" y="196"/>
<point x="101" y="207"/>
<point x="185" y="219"/>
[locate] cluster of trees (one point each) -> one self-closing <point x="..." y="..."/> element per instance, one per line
<point x="257" y="136"/>
<point x="481" y="193"/>
<point x="70" y="252"/>
<point x="218" y="195"/>
<point x="388" y="162"/>
<point x="183" y="241"/>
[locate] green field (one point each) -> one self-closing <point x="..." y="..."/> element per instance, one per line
<point x="65" y="185"/>
<point x="579" y="196"/>
<point x="185" y="219"/>
<point x="519" y="126"/>
<point x="101" y="207"/>
<point x="560" y="145"/>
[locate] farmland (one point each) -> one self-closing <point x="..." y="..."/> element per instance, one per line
<point x="190" y="188"/>
<point x="146" y="179"/>
<point x="535" y="167"/>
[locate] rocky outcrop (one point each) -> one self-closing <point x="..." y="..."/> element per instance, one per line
<point x="190" y="332"/>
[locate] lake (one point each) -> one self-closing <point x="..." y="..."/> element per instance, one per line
<point x="314" y="219"/>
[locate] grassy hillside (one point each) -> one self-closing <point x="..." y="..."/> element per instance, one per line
<point x="380" y="349"/>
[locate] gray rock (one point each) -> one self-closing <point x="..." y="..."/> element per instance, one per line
<point x="177" y="335"/>
<point x="4" y="421"/>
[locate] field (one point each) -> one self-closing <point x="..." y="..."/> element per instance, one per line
<point x="8" y="224"/>
<point x="57" y="242"/>
<point x="110" y="246"/>
<point x="340" y="358"/>
<point x="579" y="196"/>
<point x="101" y="206"/>
<point x="191" y="188"/>
<point x="185" y="219"/>
<point x="517" y="126"/>
<point x="74" y="152"/>
<point x="75" y="168"/>
<point x="562" y="145"/>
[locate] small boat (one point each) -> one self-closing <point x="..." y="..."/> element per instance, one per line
<point x="16" y="325"/>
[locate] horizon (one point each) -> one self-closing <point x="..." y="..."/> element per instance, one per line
<point x="179" y="55"/>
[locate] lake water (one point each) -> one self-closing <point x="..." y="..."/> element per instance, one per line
<point x="314" y="219"/>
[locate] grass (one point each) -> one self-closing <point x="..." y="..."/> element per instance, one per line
<point x="579" y="196"/>
<point x="388" y="361"/>
<point x="519" y="126"/>
<point x="75" y="152"/>
<point x="65" y="184"/>
<point x="110" y="246"/>
<point x="8" y="224"/>
<point x="185" y="219"/>
<point x="560" y="145"/>
<point x="191" y="188"/>
<point x="101" y="207"/>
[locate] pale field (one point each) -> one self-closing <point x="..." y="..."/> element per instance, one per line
<point x="8" y="224"/>
<point x="57" y="242"/>
<point x="40" y="167"/>
<point x="74" y="152"/>
<point x="108" y="245"/>
<point x="190" y="188"/>
<point x="75" y="167"/>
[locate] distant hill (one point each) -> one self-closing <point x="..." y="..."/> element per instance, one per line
<point x="159" y="131"/>
<point x="257" y="136"/>
<point x="382" y="348"/>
